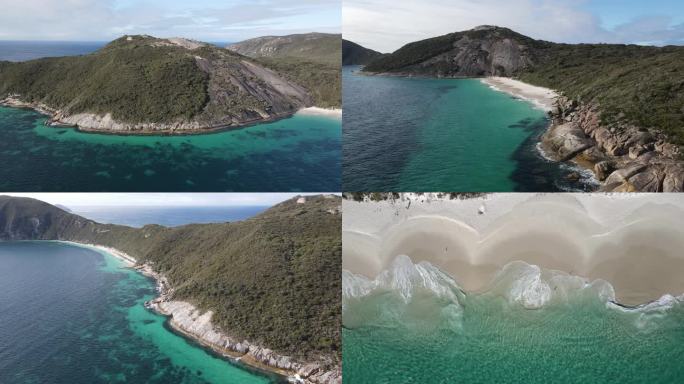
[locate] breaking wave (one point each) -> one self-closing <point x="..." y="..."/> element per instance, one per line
<point x="422" y="295"/>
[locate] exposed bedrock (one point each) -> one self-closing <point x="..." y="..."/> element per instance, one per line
<point x="624" y="157"/>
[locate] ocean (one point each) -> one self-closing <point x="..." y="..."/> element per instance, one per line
<point x="422" y="135"/>
<point x="301" y="153"/>
<point x="73" y="315"/>
<point x="425" y="330"/>
<point x="139" y="216"/>
<point x="13" y="50"/>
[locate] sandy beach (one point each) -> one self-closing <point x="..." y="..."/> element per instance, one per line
<point x="633" y="241"/>
<point x="316" y="111"/>
<point x="541" y="97"/>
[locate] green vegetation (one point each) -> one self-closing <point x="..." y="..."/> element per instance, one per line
<point x="132" y="80"/>
<point x="638" y="85"/>
<point x="354" y="54"/>
<point x="274" y="279"/>
<point x="643" y="86"/>
<point x="322" y="81"/>
<point x="322" y="48"/>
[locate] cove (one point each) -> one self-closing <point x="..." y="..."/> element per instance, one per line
<point x="75" y="315"/>
<point x="423" y="134"/>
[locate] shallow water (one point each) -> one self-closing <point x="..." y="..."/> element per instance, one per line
<point x="74" y="315"/>
<point x="301" y="153"/>
<point x="415" y="325"/>
<point x="408" y="134"/>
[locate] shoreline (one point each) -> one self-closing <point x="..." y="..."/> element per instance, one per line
<point x="318" y="111"/>
<point x="54" y="122"/>
<point x="542" y="98"/>
<point x="593" y="236"/>
<point x="188" y="321"/>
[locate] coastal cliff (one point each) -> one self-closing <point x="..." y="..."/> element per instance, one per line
<point x="146" y="85"/>
<point x="274" y="279"/>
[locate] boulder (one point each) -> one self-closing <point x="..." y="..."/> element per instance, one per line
<point x="603" y="169"/>
<point x="565" y="141"/>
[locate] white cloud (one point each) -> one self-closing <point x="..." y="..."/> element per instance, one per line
<point x="386" y="25"/>
<point x="160" y="199"/>
<point x="231" y="20"/>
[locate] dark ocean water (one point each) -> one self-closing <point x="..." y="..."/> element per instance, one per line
<point x="29" y="50"/>
<point x="138" y="216"/>
<point x="410" y="134"/>
<point x="301" y="153"/>
<point x="72" y="315"/>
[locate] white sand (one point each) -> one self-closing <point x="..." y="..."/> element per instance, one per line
<point x="633" y="241"/>
<point x="128" y="259"/>
<point x="316" y="111"/>
<point x="541" y="97"/>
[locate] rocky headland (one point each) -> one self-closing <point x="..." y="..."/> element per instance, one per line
<point x="144" y="85"/>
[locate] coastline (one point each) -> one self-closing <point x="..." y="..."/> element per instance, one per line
<point x="108" y="126"/>
<point x="317" y="111"/>
<point x="187" y="320"/>
<point x="624" y="159"/>
<point x="543" y="98"/>
<point x="591" y="236"/>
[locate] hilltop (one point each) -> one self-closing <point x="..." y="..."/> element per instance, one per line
<point x="273" y="279"/>
<point x="316" y="47"/>
<point x="622" y="106"/>
<point x="309" y="59"/>
<point x="143" y="84"/>
<point x="355" y="54"/>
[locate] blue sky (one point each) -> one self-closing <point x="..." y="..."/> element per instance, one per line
<point x="207" y="20"/>
<point x="386" y="25"/>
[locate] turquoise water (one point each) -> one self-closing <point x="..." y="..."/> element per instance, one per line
<point x="409" y="134"/>
<point x="74" y="315"/>
<point x="301" y="153"/>
<point x="440" y="335"/>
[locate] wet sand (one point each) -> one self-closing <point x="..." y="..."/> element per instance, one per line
<point x="633" y="241"/>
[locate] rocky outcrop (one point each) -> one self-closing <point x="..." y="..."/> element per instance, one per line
<point x="624" y="157"/>
<point x="482" y="51"/>
<point x="187" y="319"/>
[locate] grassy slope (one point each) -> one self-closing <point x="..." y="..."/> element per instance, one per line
<point x="274" y="279"/>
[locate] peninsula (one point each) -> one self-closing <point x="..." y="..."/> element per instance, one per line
<point x="618" y="110"/>
<point x="146" y="85"/>
<point x="265" y="290"/>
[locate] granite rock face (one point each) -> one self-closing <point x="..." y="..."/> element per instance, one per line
<point x="624" y="157"/>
